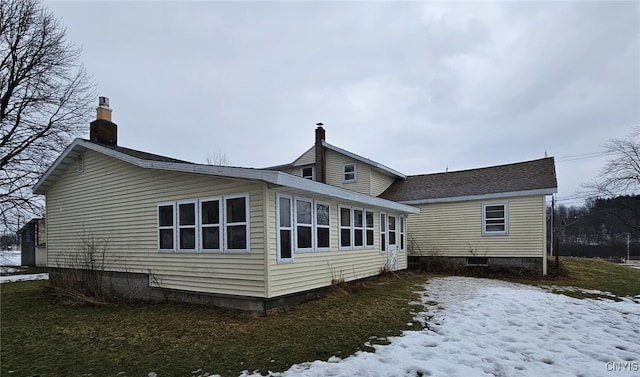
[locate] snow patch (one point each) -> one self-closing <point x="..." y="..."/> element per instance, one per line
<point x="482" y="327"/>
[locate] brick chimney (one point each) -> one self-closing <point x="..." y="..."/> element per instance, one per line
<point x="103" y="130"/>
<point x="321" y="163"/>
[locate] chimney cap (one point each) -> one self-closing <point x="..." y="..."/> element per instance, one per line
<point x="103" y="102"/>
<point x="319" y="124"/>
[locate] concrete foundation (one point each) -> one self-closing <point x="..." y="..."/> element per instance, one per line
<point x="493" y="264"/>
<point x="136" y="286"/>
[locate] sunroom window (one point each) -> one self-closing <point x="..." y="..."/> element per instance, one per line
<point x="204" y="225"/>
<point x="304" y="225"/>
<point x="369" y="227"/>
<point x="236" y="227"/>
<point x="345" y="227"/>
<point x="322" y="226"/>
<point x="187" y="226"/>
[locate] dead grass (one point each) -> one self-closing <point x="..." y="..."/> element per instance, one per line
<point x="40" y="336"/>
<point x="595" y="274"/>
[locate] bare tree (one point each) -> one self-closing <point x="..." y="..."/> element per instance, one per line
<point x="219" y="159"/>
<point x="45" y="98"/>
<point x="621" y="174"/>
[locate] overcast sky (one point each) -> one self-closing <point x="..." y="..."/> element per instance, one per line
<point x="417" y="86"/>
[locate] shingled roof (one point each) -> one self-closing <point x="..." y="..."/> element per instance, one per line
<point x="537" y="176"/>
<point x="140" y="154"/>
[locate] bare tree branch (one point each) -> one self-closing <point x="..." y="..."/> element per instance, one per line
<point x="45" y="101"/>
<point x="621" y="174"/>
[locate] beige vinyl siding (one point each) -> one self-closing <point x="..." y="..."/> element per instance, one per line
<point x="335" y="162"/>
<point x="117" y="201"/>
<point x="317" y="269"/>
<point x="379" y="182"/>
<point x="454" y="229"/>
<point x="307" y="158"/>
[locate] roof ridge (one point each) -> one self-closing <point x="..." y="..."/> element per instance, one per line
<point x="482" y="168"/>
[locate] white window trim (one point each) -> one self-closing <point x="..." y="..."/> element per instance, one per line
<point x="313" y="172"/>
<point x="344" y="172"/>
<point x="198" y="225"/>
<point x="360" y="228"/>
<point x="305" y="225"/>
<point x="319" y="226"/>
<point x="392" y="246"/>
<point x="505" y="232"/>
<point x="340" y="227"/>
<point x="194" y="226"/>
<point x="173" y="227"/>
<point x="383" y="231"/>
<point x="219" y="225"/>
<point x="372" y="229"/>
<point x="247" y="223"/>
<point x="289" y="228"/>
<point x="402" y="245"/>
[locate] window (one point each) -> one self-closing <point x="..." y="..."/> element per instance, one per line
<point x="187" y="226"/>
<point x="345" y="227"/>
<point x="358" y="228"/>
<point x="323" y="234"/>
<point x="349" y="172"/>
<point x="369" y="227"/>
<point x="166" y="228"/>
<point x="236" y="231"/>
<point x="401" y="225"/>
<point x="477" y="261"/>
<point x="285" y="234"/>
<point x="383" y="233"/>
<point x="210" y="234"/>
<point x="304" y="225"/>
<point x="307" y="172"/>
<point x="208" y="224"/>
<point x="392" y="231"/>
<point x="494" y="219"/>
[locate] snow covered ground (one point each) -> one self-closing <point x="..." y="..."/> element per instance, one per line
<point x="481" y="327"/>
<point x="10" y="258"/>
<point x="13" y="258"/>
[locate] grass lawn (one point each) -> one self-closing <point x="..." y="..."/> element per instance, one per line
<point x="40" y="336"/>
<point x="594" y="274"/>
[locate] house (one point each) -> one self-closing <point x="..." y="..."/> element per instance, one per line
<point x="494" y="216"/>
<point x="33" y="240"/>
<point x="261" y="238"/>
<point x="235" y="237"/>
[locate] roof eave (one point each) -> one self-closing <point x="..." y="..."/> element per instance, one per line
<point x="491" y="196"/>
<point x="365" y="160"/>
<point x="268" y="176"/>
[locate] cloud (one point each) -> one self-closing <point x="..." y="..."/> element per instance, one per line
<point x="417" y="86"/>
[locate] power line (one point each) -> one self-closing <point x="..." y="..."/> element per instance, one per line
<point x="581" y="156"/>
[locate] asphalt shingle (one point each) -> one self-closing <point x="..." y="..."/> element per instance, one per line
<point x="521" y="176"/>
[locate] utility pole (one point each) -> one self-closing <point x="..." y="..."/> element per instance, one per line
<point x="556" y="243"/>
<point x="551" y="228"/>
<point x="628" y="261"/>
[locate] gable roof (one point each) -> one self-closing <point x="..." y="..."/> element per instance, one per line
<point x="377" y="165"/>
<point x="365" y="160"/>
<point x="536" y="177"/>
<point x="152" y="161"/>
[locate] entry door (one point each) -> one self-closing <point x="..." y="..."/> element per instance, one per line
<point x="392" y="259"/>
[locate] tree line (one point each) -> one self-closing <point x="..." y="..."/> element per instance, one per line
<point x="599" y="228"/>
